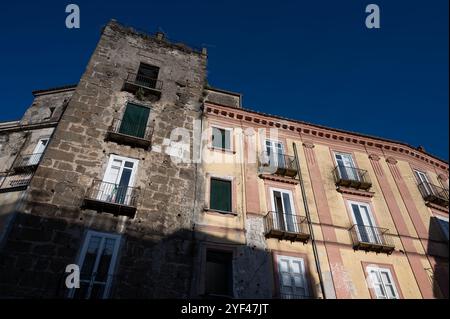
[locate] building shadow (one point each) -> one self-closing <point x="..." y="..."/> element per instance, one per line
<point x="438" y="250"/>
<point x="150" y="264"/>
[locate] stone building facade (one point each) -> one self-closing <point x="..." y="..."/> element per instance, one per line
<point x="159" y="186"/>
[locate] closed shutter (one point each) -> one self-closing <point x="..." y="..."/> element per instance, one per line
<point x="134" y="121"/>
<point x="220" y="195"/>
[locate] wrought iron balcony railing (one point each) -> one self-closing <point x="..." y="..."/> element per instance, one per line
<point x="14" y="182"/>
<point x="286" y="226"/>
<point x="112" y="198"/>
<point x="296" y="296"/>
<point x="134" y="134"/>
<point x="371" y="238"/>
<point x="136" y="81"/>
<point x="27" y="162"/>
<point x="352" y="177"/>
<point x="278" y="163"/>
<point x="434" y="194"/>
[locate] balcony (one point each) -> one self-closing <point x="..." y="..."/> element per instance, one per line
<point x="27" y="162"/>
<point x="148" y="86"/>
<point x="112" y="198"/>
<point x="296" y="296"/>
<point x="434" y="194"/>
<point x="14" y="182"/>
<point x="348" y="176"/>
<point x="286" y="226"/>
<point x="279" y="164"/>
<point x="371" y="238"/>
<point x="130" y="134"/>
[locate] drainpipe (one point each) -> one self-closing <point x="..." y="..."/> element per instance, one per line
<point x="308" y="217"/>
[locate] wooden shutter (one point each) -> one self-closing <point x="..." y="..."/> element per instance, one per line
<point x="220" y="195"/>
<point x="134" y="120"/>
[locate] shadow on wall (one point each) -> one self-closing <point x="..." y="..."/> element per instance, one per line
<point x="34" y="256"/>
<point x="439" y="250"/>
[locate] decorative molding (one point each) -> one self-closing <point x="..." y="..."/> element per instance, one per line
<point x="353" y="191"/>
<point x="374" y="157"/>
<point x="324" y="133"/>
<point x="442" y="177"/>
<point x="308" y="145"/>
<point x="279" y="179"/>
<point x="437" y="207"/>
<point x="391" y="160"/>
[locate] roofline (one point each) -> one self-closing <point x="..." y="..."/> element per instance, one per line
<point x="224" y="91"/>
<point x="335" y="130"/>
<point x="57" y="89"/>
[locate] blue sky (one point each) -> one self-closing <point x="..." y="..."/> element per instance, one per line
<point x="309" y="60"/>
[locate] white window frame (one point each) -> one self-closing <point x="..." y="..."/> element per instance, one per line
<point x="293" y="211"/>
<point x="32" y="160"/>
<point x="375" y="235"/>
<point x="108" y="169"/>
<point x="424" y="180"/>
<point x="354" y="174"/>
<point x="227" y="129"/>
<point x="380" y="270"/>
<point x="112" y="265"/>
<point x="302" y="269"/>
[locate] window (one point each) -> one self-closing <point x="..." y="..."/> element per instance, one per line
<point x="97" y="261"/>
<point x="346" y="166"/>
<point x="275" y="153"/>
<point x="220" y="195"/>
<point x="443" y="223"/>
<point x="134" y="120"/>
<point x="219" y="273"/>
<point x="382" y="282"/>
<point x="283" y="211"/>
<point x="147" y="75"/>
<point x="38" y="151"/>
<point x="221" y="138"/>
<point x="366" y="229"/>
<point x="292" y="277"/>
<point x="118" y="180"/>
<point x="422" y="180"/>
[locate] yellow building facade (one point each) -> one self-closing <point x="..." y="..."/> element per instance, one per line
<point x="332" y="214"/>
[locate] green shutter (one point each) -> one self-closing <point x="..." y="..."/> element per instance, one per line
<point x="134" y="121"/>
<point x="220" y="195"/>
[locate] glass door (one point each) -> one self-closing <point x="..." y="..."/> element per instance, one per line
<point x="293" y="284"/>
<point x="283" y="211"/>
<point x="275" y="152"/>
<point x="364" y="223"/>
<point x="422" y="179"/>
<point x="346" y="166"/>
<point x="37" y="152"/>
<point x="118" y="180"/>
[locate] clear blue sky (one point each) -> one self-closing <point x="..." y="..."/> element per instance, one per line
<point x="310" y="60"/>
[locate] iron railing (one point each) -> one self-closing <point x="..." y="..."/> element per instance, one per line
<point x="371" y="238"/>
<point x="119" y="126"/>
<point x="279" y="163"/>
<point x="15" y="181"/>
<point x="144" y="81"/>
<point x="27" y="160"/>
<point x="351" y="176"/>
<point x="113" y="193"/>
<point x="433" y="193"/>
<point x="287" y="226"/>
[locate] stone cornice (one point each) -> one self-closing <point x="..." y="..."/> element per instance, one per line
<point x="276" y="178"/>
<point x="352" y="191"/>
<point x="322" y="133"/>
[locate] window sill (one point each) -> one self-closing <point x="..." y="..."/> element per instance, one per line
<point x="219" y="212"/>
<point x="223" y="150"/>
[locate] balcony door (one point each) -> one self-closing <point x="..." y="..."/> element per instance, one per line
<point x="37" y="152"/>
<point x="364" y="222"/>
<point x="97" y="262"/>
<point x="147" y="75"/>
<point x="275" y="153"/>
<point x="134" y="120"/>
<point x="346" y="166"/>
<point x="118" y="180"/>
<point x="283" y="211"/>
<point x="292" y="277"/>
<point x="422" y="179"/>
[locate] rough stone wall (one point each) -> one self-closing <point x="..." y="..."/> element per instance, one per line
<point x="154" y="260"/>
